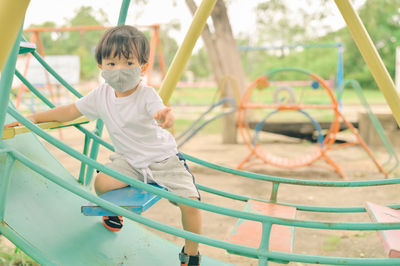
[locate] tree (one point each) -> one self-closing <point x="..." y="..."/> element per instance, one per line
<point x="224" y="58"/>
<point x="382" y="21"/>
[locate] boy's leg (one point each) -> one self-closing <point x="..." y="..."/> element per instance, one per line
<point x="104" y="183"/>
<point x="191" y="221"/>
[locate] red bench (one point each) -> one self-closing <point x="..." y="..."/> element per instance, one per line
<point x="390" y="238"/>
<point x="249" y="233"/>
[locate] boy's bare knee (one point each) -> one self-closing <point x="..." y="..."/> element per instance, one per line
<point x="105" y="183"/>
<point x="100" y="184"/>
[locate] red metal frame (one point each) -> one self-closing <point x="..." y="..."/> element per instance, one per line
<point x="305" y="160"/>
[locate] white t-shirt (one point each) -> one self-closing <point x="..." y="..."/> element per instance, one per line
<point x="130" y="123"/>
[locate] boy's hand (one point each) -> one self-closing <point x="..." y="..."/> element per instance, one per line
<point x="17" y="123"/>
<point x="164" y="117"/>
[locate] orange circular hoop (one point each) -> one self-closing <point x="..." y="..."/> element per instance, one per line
<point x="256" y="150"/>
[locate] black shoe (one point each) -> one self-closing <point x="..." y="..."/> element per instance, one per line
<point x="113" y="223"/>
<point x="187" y="260"/>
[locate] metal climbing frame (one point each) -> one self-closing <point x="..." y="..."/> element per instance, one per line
<point x="263" y="253"/>
<point x="228" y="104"/>
<point x="322" y="146"/>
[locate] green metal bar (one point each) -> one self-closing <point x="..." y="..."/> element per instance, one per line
<point x="4" y="150"/>
<point x="54" y="73"/>
<point x="33" y="89"/>
<point x="264" y="243"/>
<point x="51" y="105"/>
<point x="225" y="211"/>
<point x="95" y="151"/>
<point x="185" y="49"/>
<point x="223" y="193"/>
<point x="24" y="245"/>
<point x="263" y="261"/>
<point x="123" y="12"/>
<point x="81" y="178"/>
<point x="243" y="250"/>
<point x="84" y="193"/>
<point x="187" y="201"/>
<point x="4" y="184"/>
<point x="330" y="209"/>
<point x="274" y="193"/>
<point x="375" y="121"/>
<point x="293" y="181"/>
<point x="7" y="75"/>
<point x="97" y="138"/>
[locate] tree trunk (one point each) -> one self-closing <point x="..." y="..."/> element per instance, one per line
<point x="224" y="58"/>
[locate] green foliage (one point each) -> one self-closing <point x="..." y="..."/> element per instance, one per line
<point x="382" y="21"/>
<point x="199" y="64"/>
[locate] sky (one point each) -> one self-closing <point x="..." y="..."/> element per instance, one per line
<point x="241" y="13"/>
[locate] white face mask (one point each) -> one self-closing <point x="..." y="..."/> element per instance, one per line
<point x="122" y="79"/>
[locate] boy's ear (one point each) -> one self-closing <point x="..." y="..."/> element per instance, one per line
<point x="99" y="66"/>
<point x="144" y="68"/>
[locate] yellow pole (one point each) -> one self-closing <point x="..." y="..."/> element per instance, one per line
<point x="371" y="56"/>
<point x="185" y="50"/>
<point x="12" y="14"/>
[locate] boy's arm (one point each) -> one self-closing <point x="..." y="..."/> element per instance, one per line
<point x="61" y="114"/>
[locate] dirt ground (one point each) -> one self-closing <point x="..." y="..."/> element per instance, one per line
<point x="353" y="161"/>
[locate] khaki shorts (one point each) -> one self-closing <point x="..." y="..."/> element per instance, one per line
<point x="171" y="173"/>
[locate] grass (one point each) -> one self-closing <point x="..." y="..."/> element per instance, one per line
<point x="180" y="125"/>
<point x="192" y="96"/>
<point x="204" y="96"/>
<point x="331" y="243"/>
<point x="16" y="257"/>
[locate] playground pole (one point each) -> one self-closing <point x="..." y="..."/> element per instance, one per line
<point x="6" y="79"/>
<point x="12" y="14"/>
<point x="123" y="12"/>
<point x="185" y="50"/>
<point x="371" y="56"/>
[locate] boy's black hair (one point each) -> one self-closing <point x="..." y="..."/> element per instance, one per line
<point x="122" y="41"/>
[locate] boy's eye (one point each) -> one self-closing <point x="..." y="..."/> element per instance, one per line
<point x="130" y="63"/>
<point x="111" y="64"/>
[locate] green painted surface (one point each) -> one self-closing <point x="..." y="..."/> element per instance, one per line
<point x="49" y="218"/>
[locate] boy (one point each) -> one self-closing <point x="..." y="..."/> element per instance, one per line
<point x="130" y="110"/>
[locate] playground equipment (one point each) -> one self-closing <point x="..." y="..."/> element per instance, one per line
<point x="29" y="171"/>
<point x="339" y="46"/>
<point x="392" y="161"/>
<point x="295" y="103"/>
<point x="228" y="104"/>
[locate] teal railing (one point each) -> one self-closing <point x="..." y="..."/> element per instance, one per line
<point x="263" y="253"/>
